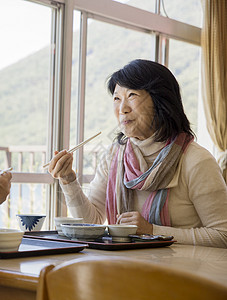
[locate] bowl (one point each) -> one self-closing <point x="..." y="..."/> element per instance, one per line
<point x="65" y="220"/>
<point x="30" y="222"/>
<point x="121" y="230"/>
<point x="83" y="231"/>
<point x="10" y="239"/>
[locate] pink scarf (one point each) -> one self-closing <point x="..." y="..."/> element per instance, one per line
<point x="124" y="176"/>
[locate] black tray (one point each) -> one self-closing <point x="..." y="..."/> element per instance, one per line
<point x="38" y="247"/>
<point x="97" y="244"/>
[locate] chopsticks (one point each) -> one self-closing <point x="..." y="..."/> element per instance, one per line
<point x="6" y="170"/>
<point x="76" y="147"/>
<point x="83" y="143"/>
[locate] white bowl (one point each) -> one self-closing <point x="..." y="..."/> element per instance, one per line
<point x="30" y="222"/>
<point x="65" y="220"/>
<point x="10" y="239"/>
<point x="121" y="230"/>
<point x="83" y="231"/>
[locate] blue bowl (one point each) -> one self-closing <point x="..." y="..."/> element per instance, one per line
<point x="83" y="231"/>
<point x="30" y="222"/>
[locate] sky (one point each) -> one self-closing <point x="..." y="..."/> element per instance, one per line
<point x="24" y="29"/>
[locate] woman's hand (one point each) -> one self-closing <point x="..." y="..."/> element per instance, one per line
<point x="61" y="167"/>
<point x="5" y="185"/>
<point x="135" y="218"/>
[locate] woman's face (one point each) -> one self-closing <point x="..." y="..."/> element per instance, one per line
<point x="134" y="111"/>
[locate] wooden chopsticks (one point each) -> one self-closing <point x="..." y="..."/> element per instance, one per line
<point x="77" y="147"/>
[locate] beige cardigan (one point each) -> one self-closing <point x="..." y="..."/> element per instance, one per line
<point x="197" y="201"/>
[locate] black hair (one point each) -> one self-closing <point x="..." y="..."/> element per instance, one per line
<point x="169" y="117"/>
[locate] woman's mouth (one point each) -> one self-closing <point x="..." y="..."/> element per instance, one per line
<point x="126" y="122"/>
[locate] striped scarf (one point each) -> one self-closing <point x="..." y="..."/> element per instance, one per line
<point x="125" y="176"/>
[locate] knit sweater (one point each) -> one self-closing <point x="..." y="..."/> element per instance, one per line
<point x="197" y="201"/>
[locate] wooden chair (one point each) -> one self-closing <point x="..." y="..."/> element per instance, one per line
<point x="116" y="278"/>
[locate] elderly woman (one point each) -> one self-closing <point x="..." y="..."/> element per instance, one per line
<point x="5" y="184"/>
<point x="155" y="175"/>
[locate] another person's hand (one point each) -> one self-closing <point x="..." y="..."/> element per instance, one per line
<point x="135" y="218"/>
<point x="5" y="186"/>
<point x="61" y="167"/>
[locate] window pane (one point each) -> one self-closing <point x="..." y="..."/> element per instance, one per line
<point x="109" y="48"/>
<point x="189" y="12"/>
<point x="25" y="31"/>
<point x="186" y="70"/>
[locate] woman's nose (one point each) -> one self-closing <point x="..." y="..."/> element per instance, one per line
<point x="124" y="107"/>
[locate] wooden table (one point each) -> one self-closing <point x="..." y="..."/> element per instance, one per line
<point x="19" y="276"/>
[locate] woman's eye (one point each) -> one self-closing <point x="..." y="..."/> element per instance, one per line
<point x="132" y="95"/>
<point x="116" y="98"/>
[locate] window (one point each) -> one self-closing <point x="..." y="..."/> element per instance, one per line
<point x="25" y="81"/>
<point x="24" y="72"/>
<point x="186" y="69"/>
<point x="189" y="12"/>
<point x="175" y="9"/>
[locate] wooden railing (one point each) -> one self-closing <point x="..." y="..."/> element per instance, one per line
<point x="27" y="162"/>
<point x="21" y="151"/>
<point x="24" y="159"/>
